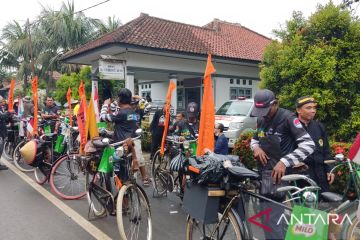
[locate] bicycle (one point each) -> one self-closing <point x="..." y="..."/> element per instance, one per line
<point x="62" y="166"/>
<point x="167" y="177"/>
<point x="12" y="139"/>
<point x="220" y="211"/>
<point x="132" y="208"/>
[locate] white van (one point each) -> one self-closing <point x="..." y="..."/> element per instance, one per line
<point x="235" y="116"/>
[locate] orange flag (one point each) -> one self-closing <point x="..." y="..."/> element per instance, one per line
<point x="91" y="123"/>
<point x="207" y="117"/>
<point x="11" y="96"/>
<point x="34" y="87"/>
<point x="68" y="97"/>
<point x="81" y="117"/>
<point x="172" y="86"/>
<point x="82" y="94"/>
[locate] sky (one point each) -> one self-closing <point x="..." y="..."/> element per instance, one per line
<point x="261" y="16"/>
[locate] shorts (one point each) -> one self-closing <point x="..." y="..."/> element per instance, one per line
<point x="139" y="153"/>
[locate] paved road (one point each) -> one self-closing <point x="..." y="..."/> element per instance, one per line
<point x="27" y="214"/>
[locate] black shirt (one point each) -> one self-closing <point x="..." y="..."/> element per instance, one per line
<point x="53" y="110"/>
<point x="295" y="143"/>
<point x="322" y="149"/>
<point x="125" y="120"/>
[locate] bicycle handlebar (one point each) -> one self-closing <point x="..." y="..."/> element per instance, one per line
<point x="122" y="142"/>
<point x="170" y="139"/>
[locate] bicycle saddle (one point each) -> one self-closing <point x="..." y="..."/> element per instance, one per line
<point x="331" y="197"/>
<point x="242" y="172"/>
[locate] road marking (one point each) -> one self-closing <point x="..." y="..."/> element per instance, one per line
<point x="76" y="217"/>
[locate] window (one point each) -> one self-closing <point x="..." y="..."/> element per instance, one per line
<point x="145" y="86"/>
<point x="144" y="93"/>
<point x="250" y="82"/>
<point x="231" y="81"/>
<point x="238" y="81"/>
<point x="180" y="98"/>
<point x="149" y="85"/>
<point x="142" y="86"/>
<point x="240" y="92"/>
<point x="244" y="81"/>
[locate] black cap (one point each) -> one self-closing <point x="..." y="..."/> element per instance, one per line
<point x="192" y="109"/>
<point x="263" y="100"/>
<point x="304" y="100"/>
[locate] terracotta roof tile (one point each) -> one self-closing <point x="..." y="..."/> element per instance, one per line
<point x="223" y="39"/>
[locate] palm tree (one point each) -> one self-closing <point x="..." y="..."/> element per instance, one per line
<point x="15" y="51"/>
<point x="64" y="30"/>
<point x="110" y="25"/>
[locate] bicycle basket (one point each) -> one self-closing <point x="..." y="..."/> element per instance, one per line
<point x="202" y="202"/>
<point x="92" y="163"/>
<point x="32" y="153"/>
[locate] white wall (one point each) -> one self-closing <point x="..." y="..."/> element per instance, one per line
<point x="222" y="89"/>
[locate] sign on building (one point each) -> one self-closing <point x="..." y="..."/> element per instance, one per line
<point x="111" y="69"/>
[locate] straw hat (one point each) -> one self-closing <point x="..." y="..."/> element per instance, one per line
<point x="28" y="151"/>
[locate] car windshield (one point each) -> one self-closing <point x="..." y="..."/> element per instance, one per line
<point x="235" y="108"/>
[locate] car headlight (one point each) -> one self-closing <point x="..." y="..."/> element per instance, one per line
<point x="186" y="144"/>
<point x="235" y="125"/>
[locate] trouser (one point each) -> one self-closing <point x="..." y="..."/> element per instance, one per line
<point x="155" y="144"/>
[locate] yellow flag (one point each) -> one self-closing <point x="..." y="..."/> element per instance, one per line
<point x="91" y="124"/>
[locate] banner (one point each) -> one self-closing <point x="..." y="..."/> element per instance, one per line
<point x="95" y="98"/>
<point x="68" y="97"/>
<point x="34" y="87"/>
<point x="81" y="117"/>
<point x="20" y="114"/>
<point x="172" y="86"/>
<point x="354" y="153"/>
<point x="11" y="96"/>
<point x="207" y="116"/>
<point x="91" y="124"/>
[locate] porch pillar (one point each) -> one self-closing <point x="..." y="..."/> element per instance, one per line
<point x="130" y="82"/>
<point x="173" y="77"/>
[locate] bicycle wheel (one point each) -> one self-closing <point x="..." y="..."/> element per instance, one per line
<point x="228" y="229"/>
<point x="351" y="231"/>
<point x="96" y="207"/>
<point x="18" y="159"/>
<point x="42" y="173"/>
<point x="157" y="159"/>
<point x="133" y="213"/>
<point x="8" y="150"/>
<point x="163" y="181"/>
<point x="67" y="178"/>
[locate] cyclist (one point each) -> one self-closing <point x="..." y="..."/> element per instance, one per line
<point x="318" y="170"/>
<point x="280" y="143"/>
<point x="51" y="112"/>
<point x="5" y="117"/>
<point x="125" y="119"/>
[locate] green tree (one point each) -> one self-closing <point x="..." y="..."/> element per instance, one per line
<point x="110" y="25"/>
<point x="319" y="56"/>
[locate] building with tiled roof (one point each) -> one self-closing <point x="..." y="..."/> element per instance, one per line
<point x="157" y="50"/>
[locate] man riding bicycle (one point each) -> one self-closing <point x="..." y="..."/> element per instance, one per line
<point x="51" y="112"/>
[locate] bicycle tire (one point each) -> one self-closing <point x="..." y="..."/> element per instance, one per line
<point x="68" y="168"/>
<point x="191" y="224"/>
<point x="163" y="181"/>
<point x="348" y="231"/>
<point x="156" y="161"/>
<point x="8" y="150"/>
<point x="19" y="161"/>
<point x="94" y="204"/>
<point x="40" y="177"/>
<point x="133" y="200"/>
